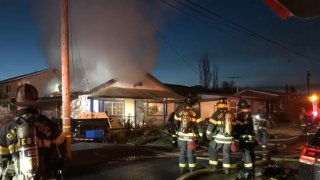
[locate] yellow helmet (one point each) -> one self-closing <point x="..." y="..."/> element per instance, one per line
<point x="222" y="103"/>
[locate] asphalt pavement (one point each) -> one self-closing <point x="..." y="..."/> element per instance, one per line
<point x="126" y="161"/>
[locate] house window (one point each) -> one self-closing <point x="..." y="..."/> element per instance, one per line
<point x="114" y="108"/>
<point x="155" y="109"/>
<point x="8" y="89"/>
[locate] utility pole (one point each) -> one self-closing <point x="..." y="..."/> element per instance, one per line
<point x="233" y="78"/>
<point x="65" y="75"/>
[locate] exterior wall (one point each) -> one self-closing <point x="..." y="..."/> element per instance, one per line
<point x="46" y="83"/>
<point x="256" y="106"/>
<point x="170" y="108"/>
<point x="5" y="114"/>
<point x="207" y="109"/>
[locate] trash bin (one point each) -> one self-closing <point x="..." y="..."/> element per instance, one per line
<point x="95" y="135"/>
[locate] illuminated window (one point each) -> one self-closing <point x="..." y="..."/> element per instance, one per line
<point x="114" y="108"/>
<point x="155" y="109"/>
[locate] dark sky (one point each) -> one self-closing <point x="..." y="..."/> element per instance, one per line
<point x="164" y="37"/>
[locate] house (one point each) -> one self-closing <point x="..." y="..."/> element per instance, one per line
<point x="206" y="101"/>
<point x="148" y="101"/>
<point x="145" y="102"/>
<point x="47" y="82"/>
<point x="282" y="106"/>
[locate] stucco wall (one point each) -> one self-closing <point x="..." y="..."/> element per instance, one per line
<point x="207" y="109"/>
<point x="46" y="83"/>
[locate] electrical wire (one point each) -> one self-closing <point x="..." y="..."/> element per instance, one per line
<point x="234" y="26"/>
<point x="255" y="34"/>
<point x="80" y="58"/>
<point x="177" y="53"/>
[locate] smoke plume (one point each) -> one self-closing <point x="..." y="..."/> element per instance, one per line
<point x="110" y="39"/>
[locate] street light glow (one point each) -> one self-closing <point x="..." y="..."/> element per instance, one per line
<point x="313" y="98"/>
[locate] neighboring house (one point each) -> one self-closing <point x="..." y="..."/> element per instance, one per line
<point x="206" y="102"/>
<point x="47" y="83"/>
<point x="281" y="105"/>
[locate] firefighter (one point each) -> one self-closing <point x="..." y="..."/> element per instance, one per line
<point x="31" y="145"/>
<point x="219" y="132"/>
<point x="188" y="121"/>
<point x="244" y="133"/>
<point x="262" y="129"/>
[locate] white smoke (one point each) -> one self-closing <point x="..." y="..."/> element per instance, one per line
<point x="110" y="39"/>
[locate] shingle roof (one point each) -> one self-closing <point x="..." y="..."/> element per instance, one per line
<point x="116" y="92"/>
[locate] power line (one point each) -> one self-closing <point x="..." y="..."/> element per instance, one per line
<point x="255" y="34"/>
<point x="177" y="53"/>
<point x="80" y="58"/>
<point x="234" y="26"/>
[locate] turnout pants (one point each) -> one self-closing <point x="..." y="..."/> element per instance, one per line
<point x="214" y="148"/>
<point x="248" y="158"/>
<point x="186" y="156"/>
<point x="262" y="136"/>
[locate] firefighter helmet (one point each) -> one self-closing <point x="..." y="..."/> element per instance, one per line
<point x="222" y="103"/>
<point x="26" y="95"/>
<point x="189" y="100"/>
<point x="243" y="104"/>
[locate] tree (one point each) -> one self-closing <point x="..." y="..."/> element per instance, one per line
<point x="286" y="88"/>
<point x="228" y="87"/>
<point x="207" y="76"/>
<point x="293" y="88"/>
<point x="215" y="78"/>
<point x="205" y="72"/>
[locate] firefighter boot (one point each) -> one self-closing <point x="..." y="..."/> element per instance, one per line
<point x="246" y="174"/>
<point x="226" y="170"/>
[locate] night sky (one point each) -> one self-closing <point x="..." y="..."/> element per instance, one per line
<point x="243" y="39"/>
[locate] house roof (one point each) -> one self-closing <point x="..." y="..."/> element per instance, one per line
<point x="186" y="90"/>
<point x="115" y="92"/>
<point x="106" y="90"/>
<point x="261" y="94"/>
<point x="26" y="75"/>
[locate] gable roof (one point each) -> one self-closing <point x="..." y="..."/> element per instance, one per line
<point x="261" y="94"/>
<point x="110" y="90"/>
<point x="26" y="75"/>
<point x="186" y="90"/>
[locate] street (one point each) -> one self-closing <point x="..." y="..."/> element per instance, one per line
<point x="106" y="161"/>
